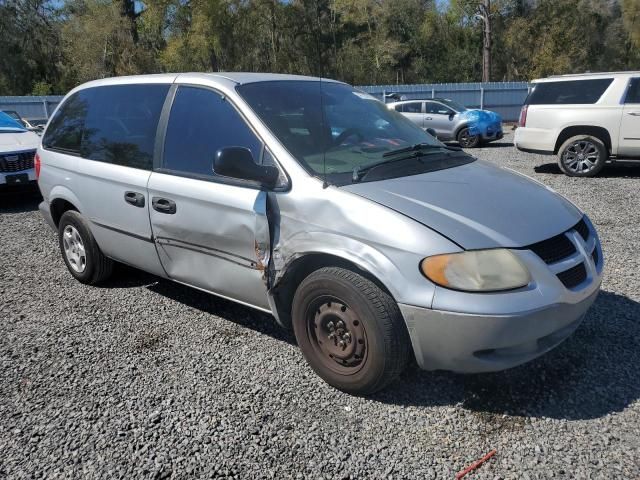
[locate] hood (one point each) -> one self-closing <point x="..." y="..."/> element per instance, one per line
<point x="477" y="205"/>
<point x="17" y="141"/>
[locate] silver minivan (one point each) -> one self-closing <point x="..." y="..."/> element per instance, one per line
<point x="312" y="201"/>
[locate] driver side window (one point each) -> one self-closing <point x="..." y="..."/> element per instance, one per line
<point x="201" y="123"/>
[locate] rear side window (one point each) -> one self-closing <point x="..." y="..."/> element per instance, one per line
<point x="413" y="107"/>
<point x="633" y="94"/>
<point x="201" y="123"/>
<point x="113" y="124"/>
<point x="568" y="92"/>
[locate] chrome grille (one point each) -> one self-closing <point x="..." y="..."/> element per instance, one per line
<point x="16" y="162"/>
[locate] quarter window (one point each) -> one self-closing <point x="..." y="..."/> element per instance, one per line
<point x="568" y="92"/>
<point x="201" y="123"/>
<point x="112" y="124"/>
<point x="65" y="129"/>
<point x="633" y="94"/>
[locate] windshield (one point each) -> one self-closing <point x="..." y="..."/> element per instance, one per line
<point x="8" y="124"/>
<point x="455" y="105"/>
<point x="344" y="130"/>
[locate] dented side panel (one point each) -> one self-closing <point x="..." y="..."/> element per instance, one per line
<point x="311" y="219"/>
<point x="218" y="239"/>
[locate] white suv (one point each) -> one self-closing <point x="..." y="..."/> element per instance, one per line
<point x="587" y="120"/>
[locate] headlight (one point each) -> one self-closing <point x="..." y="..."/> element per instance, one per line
<point x="477" y="270"/>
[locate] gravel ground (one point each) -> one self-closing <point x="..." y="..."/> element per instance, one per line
<point x="144" y="378"/>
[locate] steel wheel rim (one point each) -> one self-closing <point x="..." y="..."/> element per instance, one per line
<point x="337" y="335"/>
<point x="74" y="249"/>
<point x="581" y="156"/>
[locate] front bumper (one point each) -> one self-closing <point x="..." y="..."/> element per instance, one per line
<point x="469" y="343"/>
<point x="484" y="332"/>
<point x="491" y="135"/>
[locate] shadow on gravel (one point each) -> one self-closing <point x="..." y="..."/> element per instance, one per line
<point x="610" y="171"/>
<point x="594" y="373"/>
<point x="225" y="309"/>
<point x="128" y="277"/>
<point x="498" y="144"/>
<point x="25" y="199"/>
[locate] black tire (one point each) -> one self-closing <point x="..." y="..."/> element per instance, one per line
<point x="97" y="267"/>
<point x="377" y="344"/>
<point x="593" y="159"/>
<point x="465" y="140"/>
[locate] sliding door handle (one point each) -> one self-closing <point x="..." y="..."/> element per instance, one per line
<point x="163" y="205"/>
<point x="134" y="198"/>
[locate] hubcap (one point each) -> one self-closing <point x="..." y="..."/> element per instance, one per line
<point x="581" y="156"/>
<point x="337" y="336"/>
<point x="74" y="249"/>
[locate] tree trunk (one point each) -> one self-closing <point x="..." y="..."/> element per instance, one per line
<point x="486" y="43"/>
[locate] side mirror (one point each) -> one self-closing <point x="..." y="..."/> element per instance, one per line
<point x="237" y="162"/>
<point x="432" y="132"/>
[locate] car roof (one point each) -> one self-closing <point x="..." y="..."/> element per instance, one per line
<point x="585" y="76"/>
<point x="233" y="78"/>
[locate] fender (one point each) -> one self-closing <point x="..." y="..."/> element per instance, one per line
<point x="363" y="255"/>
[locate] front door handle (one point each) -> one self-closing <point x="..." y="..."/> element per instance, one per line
<point x="134" y="198"/>
<point x="163" y="205"/>
<point x="428" y="118"/>
<point x="635" y="114"/>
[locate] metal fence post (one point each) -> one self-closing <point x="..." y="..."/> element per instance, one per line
<point x="433" y="93"/>
<point x="481" y="97"/>
<point x="45" y="108"/>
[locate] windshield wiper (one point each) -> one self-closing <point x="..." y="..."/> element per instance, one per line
<point x="417" y="147"/>
<point x="414" y="151"/>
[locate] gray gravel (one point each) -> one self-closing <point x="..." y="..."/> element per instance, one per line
<point x="144" y="378"/>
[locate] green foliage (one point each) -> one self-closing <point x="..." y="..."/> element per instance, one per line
<point x="50" y="46"/>
<point x="41" y="88"/>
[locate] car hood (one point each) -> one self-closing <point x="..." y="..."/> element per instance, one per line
<point x="477" y="205"/>
<point x="17" y="141"/>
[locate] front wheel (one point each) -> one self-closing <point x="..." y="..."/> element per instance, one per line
<point x="466" y="140"/>
<point x="582" y="156"/>
<point x="350" y="331"/>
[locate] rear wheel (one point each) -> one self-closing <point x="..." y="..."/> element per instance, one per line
<point x="350" y="331"/>
<point x="80" y="251"/>
<point x="466" y="140"/>
<point x="582" y="156"/>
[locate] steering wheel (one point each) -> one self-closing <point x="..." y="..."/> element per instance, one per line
<point x="349" y="132"/>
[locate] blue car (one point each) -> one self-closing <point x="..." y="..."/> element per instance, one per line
<point x="451" y="121"/>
